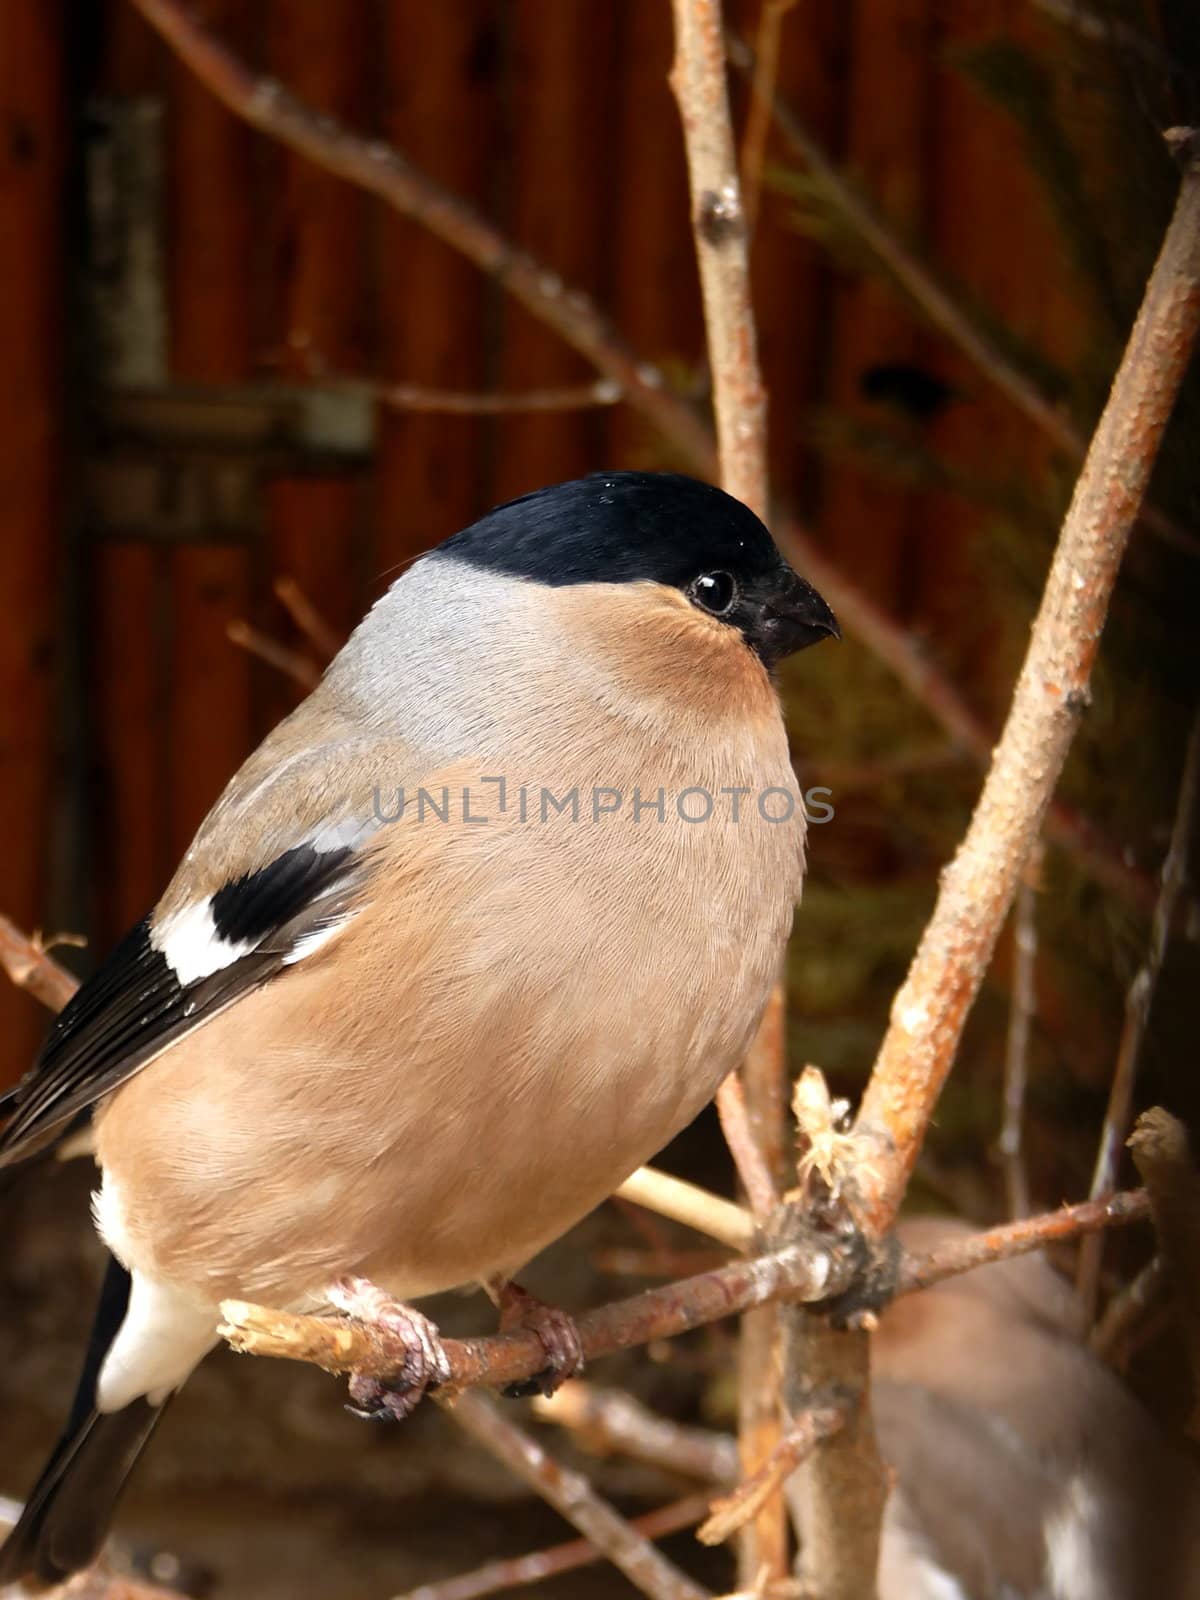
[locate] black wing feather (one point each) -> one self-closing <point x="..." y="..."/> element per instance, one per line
<point x="259" y="903"/>
<point x="134" y="1006"/>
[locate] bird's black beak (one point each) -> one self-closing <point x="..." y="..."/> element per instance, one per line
<point x="790" y="616"/>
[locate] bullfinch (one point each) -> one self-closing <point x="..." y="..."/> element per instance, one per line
<point x="475" y="931"/>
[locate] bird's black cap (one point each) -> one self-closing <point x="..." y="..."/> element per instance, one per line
<point x="618" y="527"/>
<point x="658" y="527"/>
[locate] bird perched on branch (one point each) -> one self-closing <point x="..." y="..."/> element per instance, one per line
<point x="473" y="933"/>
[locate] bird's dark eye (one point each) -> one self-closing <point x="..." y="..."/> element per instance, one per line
<point x="715" y="592"/>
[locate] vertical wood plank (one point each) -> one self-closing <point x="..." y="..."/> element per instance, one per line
<point x="212" y="217"/>
<point x="129" y="687"/>
<point x="792" y="281"/>
<point x="652" y="285"/>
<point x="887" y="135"/>
<point x="211" y="252"/>
<point x="134" y="58"/>
<point x="441" y="70"/>
<point x="32" y="143"/>
<point x="131" y="693"/>
<point x="983" y="196"/>
<point x="318" y="269"/>
<point x="210" y="729"/>
<point x="562" y="196"/>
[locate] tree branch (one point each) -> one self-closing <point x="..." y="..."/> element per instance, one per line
<point x="694" y="1207"/>
<point x="843" y="1485"/>
<point x="762" y="98"/>
<point x="977" y="888"/>
<point x="752" y="1170"/>
<point x="815" y="1269"/>
<point x="574" y="1498"/>
<point x="31" y="969"/>
<point x="340" y="1346"/>
<point x="1109" y="1339"/>
<point x="1019" y="1238"/>
<point x="719" y="229"/>
<point x="518" y="1571"/>
<point x="325" y="640"/>
<point x="609" y="1421"/>
<point x="731" y="1513"/>
<point x="487" y="403"/>
<point x="291" y="663"/>
<point x="698" y="81"/>
<point x="1021" y="1012"/>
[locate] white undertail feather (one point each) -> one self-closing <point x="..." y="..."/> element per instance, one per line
<point x="1074" y="1533"/>
<point x="165" y="1334"/>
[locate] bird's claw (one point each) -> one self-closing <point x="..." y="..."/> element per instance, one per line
<point x="555" y="1330"/>
<point x="423" y="1365"/>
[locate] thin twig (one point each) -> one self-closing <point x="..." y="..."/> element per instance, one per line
<point x="30" y="968"/>
<point x="662" y="1313"/>
<point x="1019" y="1238"/>
<point x="730" y="1514"/>
<point x="977" y="887"/>
<point x="752" y="1169"/>
<point x="290" y="662"/>
<point x="762" y="95"/>
<point x="1021" y="1012"/>
<point x="517" y="1571"/>
<point x="763" y="1540"/>
<point x="719" y="229"/>
<point x="495" y="403"/>
<point x="695" y="1207"/>
<point x="610" y="1421"/>
<point x="325" y="640"/>
<point x="1138" y="1003"/>
<point x="574" y="1498"/>
<point x="1108" y="1339"/>
<point x="816" y="1269"/>
<point x="935" y="301"/>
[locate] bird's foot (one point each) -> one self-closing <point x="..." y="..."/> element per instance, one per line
<point x="423" y="1364"/>
<point x="555" y="1329"/>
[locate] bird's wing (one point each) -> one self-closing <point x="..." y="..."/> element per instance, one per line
<point x="204" y="947"/>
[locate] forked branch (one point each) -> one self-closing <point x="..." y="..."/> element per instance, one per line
<point x="807" y="1272"/>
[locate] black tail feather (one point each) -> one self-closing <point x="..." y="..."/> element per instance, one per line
<point x="67" y="1514"/>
